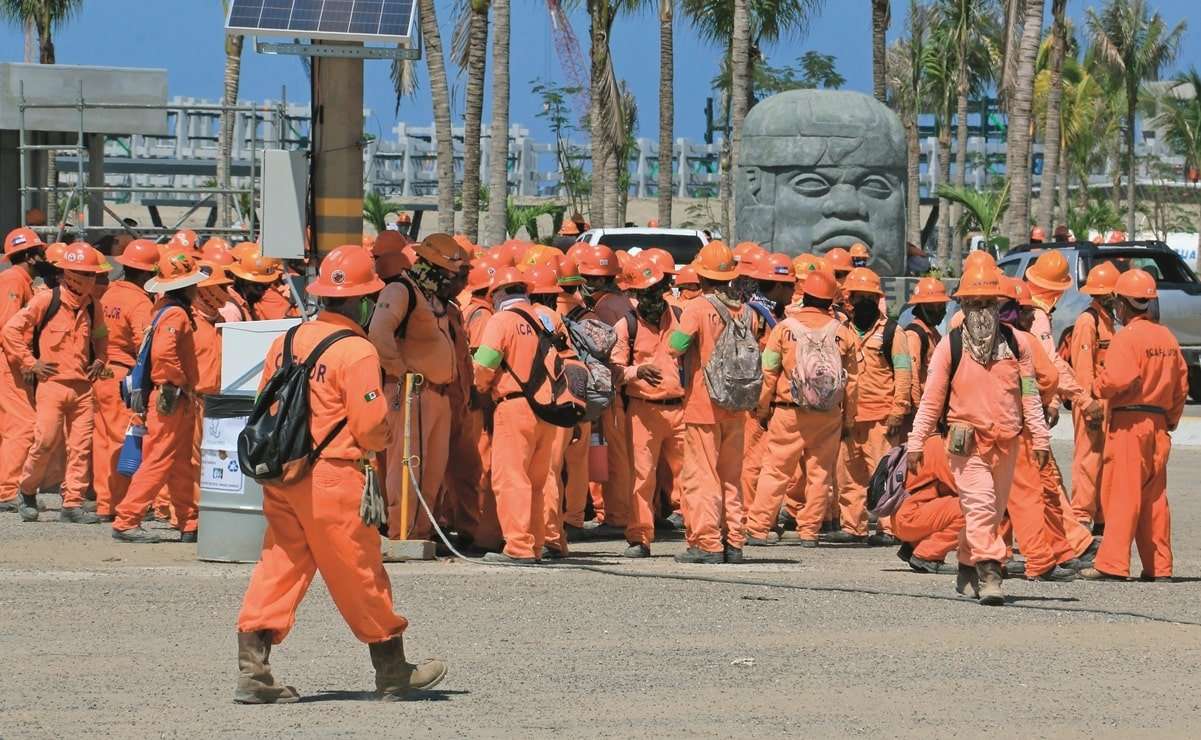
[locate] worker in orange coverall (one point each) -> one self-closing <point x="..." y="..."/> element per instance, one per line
<point x="126" y="307"/>
<point x="170" y="408"/>
<point x="650" y="385"/>
<point x="25" y="251"/>
<point x="521" y="442"/>
<point x="578" y="487"/>
<point x="1091" y="336"/>
<point x="62" y="349"/>
<point x="884" y="400"/>
<point x="411" y="331"/>
<point x="713" y="435"/>
<point x="1145" y="381"/>
<point x="804" y="438"/>
<point x="313" y="524"/>
<point x="929" y="520"/>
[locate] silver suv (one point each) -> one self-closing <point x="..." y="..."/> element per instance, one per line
<point x="682" y="244"/>
<point x="1179" y="305"/>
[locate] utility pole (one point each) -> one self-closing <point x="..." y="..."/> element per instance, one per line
<point x="337" y="180"/>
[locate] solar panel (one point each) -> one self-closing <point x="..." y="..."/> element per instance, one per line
<point x="362" y="20"/>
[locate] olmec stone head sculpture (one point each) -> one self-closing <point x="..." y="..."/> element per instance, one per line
<point x="820" y="169"/>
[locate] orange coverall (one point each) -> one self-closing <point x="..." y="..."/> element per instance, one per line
<point x="752" y="438"/>
<point x="1090" y="341"/>
<point x="127" y="315"/>
<point x="612" y="308"/>
<point x="461" y="494"/>
<point x="276" y="303"/>
<point x="16" y="396"/>
<point x="1145" y="381"/>
<point x="930" y="519"/>
<point x="798" y="437"/>
<point x="521" y="442"/>
<point x="428" y="349"/>
<point x="883" y="391"/>
<point x="69" y="341"/>
<point x="167" y="446"/>
<point x="713" y="438"/>
<point x="487" y="534"/>
<point x="576" y="459"/>
<point x="208" y="362"/>
<point x="313" y="524"/>
<point x="655" y="412"/>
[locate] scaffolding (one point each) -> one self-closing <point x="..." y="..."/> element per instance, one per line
<point x="85" y="195"/>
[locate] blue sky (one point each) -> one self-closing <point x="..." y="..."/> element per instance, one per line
<point x="185" y="37"/>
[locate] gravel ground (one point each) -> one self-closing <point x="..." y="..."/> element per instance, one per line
<point x="105" y="639"/>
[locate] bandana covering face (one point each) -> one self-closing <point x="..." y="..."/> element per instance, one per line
<point x="652" y="305"/>
<point x="980" y="332"/>
<point x="211" y="300"/>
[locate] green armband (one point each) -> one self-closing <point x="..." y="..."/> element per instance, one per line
<point x="901" y="362"/>
<point x="487" y="357"/>
<point x="1029" y="387"/>
<point x="771" y="360"/>
<point x="680" y="342"/>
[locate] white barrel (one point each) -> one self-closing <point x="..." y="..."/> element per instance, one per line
<point x="231" y="504"/>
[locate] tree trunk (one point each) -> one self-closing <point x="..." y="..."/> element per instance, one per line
<point x="739" y="85"/>
<point x="1131" y="212"/>
<point x="944" y="206"/>
<point x="1017" y="167"/>
<point x="498" y="162"/>
<point x="960" y="150"/>
<point x="613" y="189"/>
<point x="1014" y="14"/>
<point x="667" y="107"/>
<point x="1053" y="140"/>
<point x="913" y="203"/>
<point x="1198" y="264"/>
<point x="440" y="95"/>
<point x="1064" y="180"/>
<point x="225" y="144"/>
<point x="598" y="53"/>
<point x="473" y="113"/>
<point x="880" y="19"/>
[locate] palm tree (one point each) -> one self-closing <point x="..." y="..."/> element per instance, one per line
<point x="667" y="107"/>
<point x="1051" y="139"/>
<point x="229" y="98"/>
<point x="982" y="211"/>
<point x="1017" y="154"/>
<point x="907" y="95"/>
<point x="739" y="85"/>
<point x="606" y="115"/>
<point x="44" y="16"/>
<point x="470" y="50"/>
<point x="939" y="70"/>
<point x="1180" y="121"/>
<point x="498" y="158"/>
<point x="881" y="18"/>
<point x="440" y="97"/>
<point x="1137" y="46"/>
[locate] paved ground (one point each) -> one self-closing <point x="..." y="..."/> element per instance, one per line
<point x="105" y="639"/>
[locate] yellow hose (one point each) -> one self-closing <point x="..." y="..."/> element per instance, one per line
<point x="412" y="386"/>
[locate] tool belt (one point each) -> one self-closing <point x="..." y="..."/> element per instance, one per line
<point x="660" y="401"/>
<point x="1141" y="408"/>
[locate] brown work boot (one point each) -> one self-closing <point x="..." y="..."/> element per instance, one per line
<point x="968" y="579"/>
<point x="395" y="677"/>
<point x="989" y="572"/>
<point x="256" y="685"/>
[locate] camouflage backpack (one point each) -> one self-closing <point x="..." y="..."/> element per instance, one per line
<point x="734" y="373"/>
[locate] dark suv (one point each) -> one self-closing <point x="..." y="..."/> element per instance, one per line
<point x="1179" y="305"/>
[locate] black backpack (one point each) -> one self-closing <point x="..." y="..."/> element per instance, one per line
<point x="568" y="382"/>
<point x="277" y="444"/>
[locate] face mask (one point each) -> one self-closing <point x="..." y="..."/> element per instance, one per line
<point x="252" y="292"/>
<point x="78" y="284"/>
<point x="211" y="300"/>
<point x="689" y="293"/>
<point x="980" y="331"/>
<point x="366" y="311"/>
<point x="45" y="270"/>
<point x="865" y="311"/>
<point x="1025" y="318"/>
<point x="651" y="305"/>
<point x="933" y="315"/>
<point x="1009" y="313"/>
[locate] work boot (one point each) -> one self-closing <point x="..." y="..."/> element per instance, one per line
<point x="677" y="521"/>
<point x="550" y="553"/>
<point x="1090" y="554"/>
<point x="882" y="539"/>
<point x="8" y="507"/>
<point x="1014" y="568"/>
<point x="395" y="677"/>
<point x="1092" y="574"/>
<point x="920" y="565"/>
<point x="989" y="572"/>
<point x="785" y="521"/>
<point x="1148" y="578"/>
<point x="137" y="536"/>
<point x="27" y="507"/>
<point x="77" y="516"/>
<point x="89" y="504"/>
<point x="905" y="551"/>
<point x="697" y="556"/>
<point x="603" y="530"/>
<point x="733" y="555"/>
<point x="637" y="551"/>
<point x="767" y="541"/>
<point x="500" y="557"/>
<point x="843" y="537"/>
<point x="189" y="537"/>
<point x="256" y="685"/>
<point x="108" y="518"/>
<point x="1058" y="573"/>
<point x="967" y="579"/>
<point x="805" y="542"/>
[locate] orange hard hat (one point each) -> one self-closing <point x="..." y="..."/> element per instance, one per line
<point x="929" y="290"/>
<point x="1008" y="287"/>
<point x="576" y="250"/>
<point x="216" y="274"/>
<point x="748" y="263"/>
<point x="1062" y="234"/>
<point x="820" y="284"/>
<point x="368" y="242"/>
<point x="217" y="253"/>
<point x="141" y="254"/>
<point x="404" y="218"/>
<point x="839" y="260"/>
<point x="776" y="267"/>
<point x="514" y="249"/>
<point x="743" y="249"/>
<point x="391" y="257"/>
<point x="803" y="263"/>
<point x="217" y="241"/>
<point x="642" y="273"/>
<point x="862" y="280"/>
<point x="82" y="257"/>
<point x="980" y="282"/>
<point x="1137" y="285"/>
<point x="653" y="223"/>
<point x="54" y="252"/>
<point x="1050" y="272"/>
<point x="501" y="256"/>
<point x="859" y="254"/>
<point x="176" y="269"/>
<point x="978" y="258"/>
<point x="569" y="228"/>
<point x="506" y="276"/>
<point x="184" y="239"/>
<point x="259" y="269"/>
<point x="542" y="280"/>
<point x="440" y="250"/>
<point x="1037" y="234"/>
<point x="661" y="258"/>
<point x="598" y="261"/>
<point x="569" y="272"/>
<point x="21" y="239"/>
<point x="479" y="277"/>
<point x="1024" y="297"/>
<point x="465" y="243"/>
<point x="715" y="261"/>
<point x="687" y="276"/>
<point x="1101" y="279"/>
<point x="243" y="249"/>
<point x="346" y="272"/>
